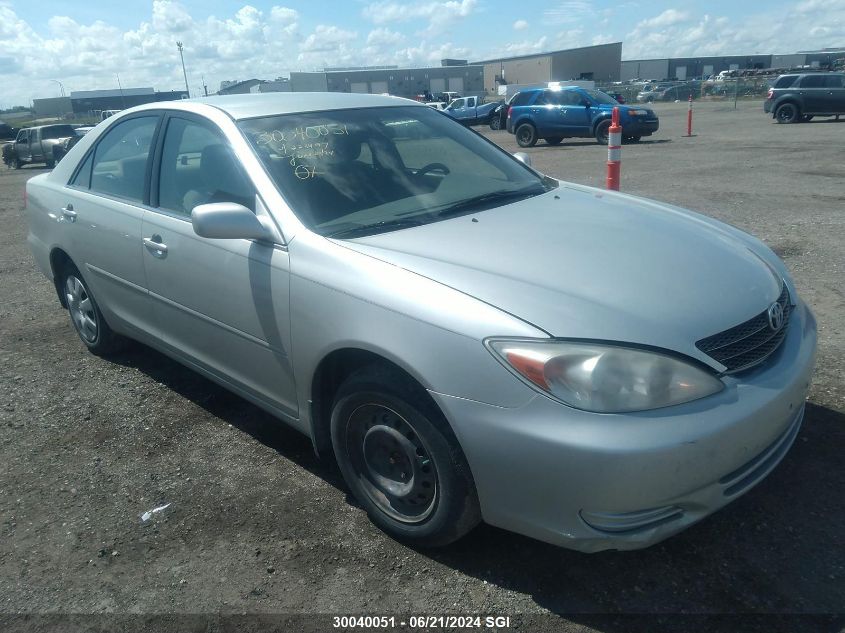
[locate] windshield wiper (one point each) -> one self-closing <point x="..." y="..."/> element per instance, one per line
<point x="378" y="227"/>
<point x="485" y="201"/>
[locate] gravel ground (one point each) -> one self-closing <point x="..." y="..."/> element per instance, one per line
<point x="256" y="524"/>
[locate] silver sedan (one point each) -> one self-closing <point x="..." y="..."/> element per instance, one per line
<point x="469" y="339"/>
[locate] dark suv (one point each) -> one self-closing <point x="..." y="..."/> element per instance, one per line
<point x="800" y="97"/>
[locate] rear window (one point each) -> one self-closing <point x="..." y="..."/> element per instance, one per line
<point x="521" y="98"/>
<point x="57" y="131"/>
<point x="786" y="81"/>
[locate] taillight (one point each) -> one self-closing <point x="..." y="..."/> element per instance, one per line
<point x="509" y="111"/>
<point x="770" y="94"/>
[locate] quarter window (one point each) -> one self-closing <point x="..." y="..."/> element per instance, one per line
<point x="83" y="176"/>
<point x="199" y="167"/>
<point x="120" y="160"/>
<point x="521" y="98"/>
<point x="785" y="82"/>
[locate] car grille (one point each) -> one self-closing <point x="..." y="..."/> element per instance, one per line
<point x="749" y="343"/>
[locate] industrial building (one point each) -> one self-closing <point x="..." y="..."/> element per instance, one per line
<point x="453" y="75"/>
<point x="689" y="67"/>
<point x="600" y="63"/>
<point x="89" y="102"/>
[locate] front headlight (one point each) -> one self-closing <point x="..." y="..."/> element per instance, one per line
<point x="604" y="378"/>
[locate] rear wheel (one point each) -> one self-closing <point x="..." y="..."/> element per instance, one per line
<point x="401" y="460"/>
<point x="554" y="140"/>
<point x="526" y="135"/>
<point x="787" y="113"/>
<point x="85" y="315"/>
<point x="602" y="130"/>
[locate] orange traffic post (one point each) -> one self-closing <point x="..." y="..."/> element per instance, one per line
<point x="614" y="152"/>
<point x="689" y="117"/>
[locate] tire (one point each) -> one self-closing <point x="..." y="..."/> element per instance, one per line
<point x="18" y="163"/>
<point x="496" y="123"/>
<point x="602" y="131"/>
<point x="554" y="140"/>
<point x="85" y="315"/>
<point x="787" y="113"/>
<point x="526" y="135"/>
<point x="401" y="460"/>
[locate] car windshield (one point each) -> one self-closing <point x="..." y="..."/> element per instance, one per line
<point x="599" y="97"/>
<point x="57" y="131"/>
<point x="348" y="173"/>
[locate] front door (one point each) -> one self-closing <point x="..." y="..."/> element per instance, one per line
<point x="222" y="304"/>
<point x="575" y="113"/>
<point x="22" y="147"/>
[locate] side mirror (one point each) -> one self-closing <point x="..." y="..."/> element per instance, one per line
<point x="525" y="158"/>
<point x="228" y="220"/>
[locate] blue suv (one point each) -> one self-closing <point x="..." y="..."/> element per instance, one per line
<point x="557" y="113"/>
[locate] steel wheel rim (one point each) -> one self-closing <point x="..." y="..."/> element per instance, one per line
<point x="81" y="309"/>
<point x="525" y="134"/>
<point x="392" y="463"/>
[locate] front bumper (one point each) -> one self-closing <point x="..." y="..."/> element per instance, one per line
<point x="593" y="482"/>
<point x="635" y="127"/>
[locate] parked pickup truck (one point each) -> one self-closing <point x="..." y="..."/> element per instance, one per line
<point x="469" y="111"/>
<point x="42" y="144"/>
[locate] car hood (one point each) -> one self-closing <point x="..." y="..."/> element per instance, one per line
<point x="579" y="262"/>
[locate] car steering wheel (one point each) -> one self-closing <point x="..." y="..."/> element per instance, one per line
<point x="422" y="171"/>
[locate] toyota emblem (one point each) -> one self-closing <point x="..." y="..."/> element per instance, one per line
<point x="775" y="313"/>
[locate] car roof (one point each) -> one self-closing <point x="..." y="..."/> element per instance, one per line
<point x="247" y="106"/>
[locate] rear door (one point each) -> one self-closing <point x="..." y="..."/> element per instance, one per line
<point x="102" y="213"/>
<point x="814" y="93"/>
<point x="223" y="304"/>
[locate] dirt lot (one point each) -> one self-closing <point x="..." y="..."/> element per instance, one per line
<point x="258" y="524"/>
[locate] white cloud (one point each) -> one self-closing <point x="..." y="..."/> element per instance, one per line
<point x="384" y="37"/>
<point x="569" y="12"/>
<point x="440" y="14"/>
<point x="520" y="25"/>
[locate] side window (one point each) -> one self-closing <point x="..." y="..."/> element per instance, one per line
<point x="120" y="159"/>
<point x="83" y="176"/>
<point x="834" y="81"/>
<point x="199" y="167"/>
<point x="571" y="97"/>
<point x="23" y="137"/>
<point x="813" y="81"/>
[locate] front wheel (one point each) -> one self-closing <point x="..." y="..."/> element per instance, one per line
<point x="496" y="123"/>
<point x="787" y="113"/>
<point x="526" y="135"/>
<point x="400" y="459"/>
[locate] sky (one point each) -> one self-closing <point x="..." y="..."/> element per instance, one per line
<point x="47" y="45"/>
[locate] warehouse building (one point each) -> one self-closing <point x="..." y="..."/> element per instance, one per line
<point x="457" y="76"/>
<point x="689" y="67"/>
<point x="89" y="101"/>
<point x="599" y="63"/>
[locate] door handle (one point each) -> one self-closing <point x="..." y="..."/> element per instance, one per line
<point x="68" y="213"/>
<point x="155" y="246"/>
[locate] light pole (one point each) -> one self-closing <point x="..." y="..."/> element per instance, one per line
<point x="61" y="85"/>
<point x="184" y="73"/>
